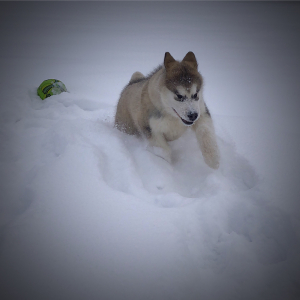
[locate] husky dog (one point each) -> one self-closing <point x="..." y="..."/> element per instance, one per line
<point x="163" y="105"/>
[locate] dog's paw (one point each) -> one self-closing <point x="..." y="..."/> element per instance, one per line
<point x="209" y="149"/>
<point x="211" y="156"/>
<point x="213" y="161"/>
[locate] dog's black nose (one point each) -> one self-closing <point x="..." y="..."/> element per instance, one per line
<point x="192" y="116"/>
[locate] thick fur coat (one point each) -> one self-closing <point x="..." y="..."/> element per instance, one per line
<point x="163" y="105"/>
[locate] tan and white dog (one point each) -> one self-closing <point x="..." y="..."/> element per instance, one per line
<point x="163" y="105"/>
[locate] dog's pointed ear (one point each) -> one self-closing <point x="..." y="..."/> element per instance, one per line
<point x="168" y="60"/>
<point x="191" y="59"/>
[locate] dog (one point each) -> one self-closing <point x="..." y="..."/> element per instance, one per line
<point x="163" y="105"/>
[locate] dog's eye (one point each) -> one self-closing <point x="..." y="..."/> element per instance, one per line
<point x="194" y="96"/>
<point x="180" y="98"/>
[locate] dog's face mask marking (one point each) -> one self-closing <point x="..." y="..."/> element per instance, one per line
<point x="185" y="104"/>
<point x="184" y="83"/>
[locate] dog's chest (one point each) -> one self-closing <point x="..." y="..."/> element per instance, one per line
<point x="172" y="128"/>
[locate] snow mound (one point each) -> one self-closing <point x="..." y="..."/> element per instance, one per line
<point x="94" y="203"/>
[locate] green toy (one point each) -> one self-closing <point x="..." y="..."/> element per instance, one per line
<point x="50" y="87"/>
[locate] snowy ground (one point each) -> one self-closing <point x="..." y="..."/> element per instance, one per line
<point x="87" y="213"/>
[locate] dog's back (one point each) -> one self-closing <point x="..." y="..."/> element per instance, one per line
<point x="135" y="106"/>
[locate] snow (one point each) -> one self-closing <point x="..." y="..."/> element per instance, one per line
<point x="87" y="212"/>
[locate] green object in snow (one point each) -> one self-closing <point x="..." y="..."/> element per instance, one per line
<point x="50" y="87"/>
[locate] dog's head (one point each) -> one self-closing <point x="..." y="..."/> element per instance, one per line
<point x="183" y="88"/>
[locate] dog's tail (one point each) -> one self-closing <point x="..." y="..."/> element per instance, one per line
<point x="136" y="77"/>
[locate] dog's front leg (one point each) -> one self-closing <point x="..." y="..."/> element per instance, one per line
<point x="206" y="137"/>
<point x="160" y="147"/>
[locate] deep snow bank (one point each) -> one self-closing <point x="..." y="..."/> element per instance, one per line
<point x="106" y="218"/>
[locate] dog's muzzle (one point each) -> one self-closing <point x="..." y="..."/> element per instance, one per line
<point x="191" y="116"/>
